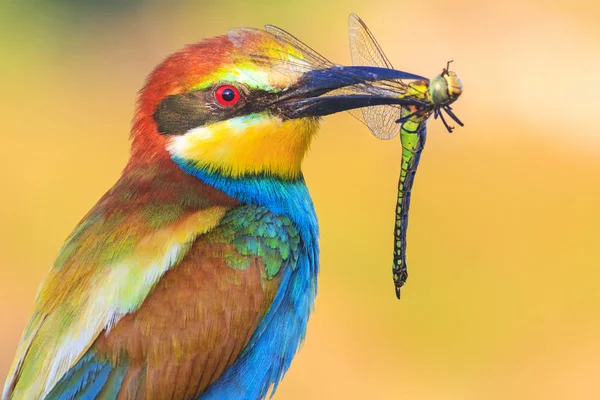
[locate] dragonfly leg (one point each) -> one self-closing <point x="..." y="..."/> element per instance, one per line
<point x="453" y="116"/>
<point x="448" y="127"/>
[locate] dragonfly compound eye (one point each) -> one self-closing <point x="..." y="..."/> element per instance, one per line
<point x="438" y="89"/>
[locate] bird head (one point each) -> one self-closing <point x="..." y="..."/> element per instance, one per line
<point x="246" y="103"/>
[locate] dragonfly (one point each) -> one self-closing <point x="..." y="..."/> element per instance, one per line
<point x="435" y="96"/>
<point x="417" y="97"/>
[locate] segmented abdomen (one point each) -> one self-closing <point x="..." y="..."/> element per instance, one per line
<point x="412" y="135"/>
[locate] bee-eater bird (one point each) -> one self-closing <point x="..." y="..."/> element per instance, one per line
<point x="193" y="277"/>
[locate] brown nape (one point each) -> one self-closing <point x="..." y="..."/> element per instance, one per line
<point x="162" y="182"/>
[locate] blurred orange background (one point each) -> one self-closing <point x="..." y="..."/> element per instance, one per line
<point x="502" y="300"/>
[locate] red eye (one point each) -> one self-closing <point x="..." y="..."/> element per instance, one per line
<point x="227" y="95"/>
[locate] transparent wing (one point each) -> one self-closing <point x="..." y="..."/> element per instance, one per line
<point x="364" y="50"/>
<point x="381" y="120"/>
<point x="296" y="57"/>
<point x="311" y="57"/>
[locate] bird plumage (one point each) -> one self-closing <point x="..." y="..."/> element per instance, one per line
<point x="194" y="276"/>
<point x="169" y="277"/>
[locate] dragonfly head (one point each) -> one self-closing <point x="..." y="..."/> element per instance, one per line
<point x="445" y="88"/>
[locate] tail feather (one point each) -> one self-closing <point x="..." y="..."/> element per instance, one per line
<point x="90" y="378"/>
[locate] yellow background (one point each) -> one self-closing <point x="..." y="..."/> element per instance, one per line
<point x="502" y="300"/>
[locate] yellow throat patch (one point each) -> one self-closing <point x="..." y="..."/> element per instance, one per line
<point x="247" y="145"/>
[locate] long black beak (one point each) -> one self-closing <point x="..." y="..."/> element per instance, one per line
<point x="309" y="97"/>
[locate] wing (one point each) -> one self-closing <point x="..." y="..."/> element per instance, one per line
<point x="139" y="229"/>
<point x="291" y="55"/>
<point x="105" y="270"/>
<point x="191" y="324"/>
<point x="365" y="50"/>
<point x="309" y="55"/>
<point x="201" y="314"/>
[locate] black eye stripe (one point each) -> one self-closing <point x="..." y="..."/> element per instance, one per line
<point x="176" y="114"/>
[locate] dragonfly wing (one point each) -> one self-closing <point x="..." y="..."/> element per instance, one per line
<point x="310" y="56"/>
<point x="381" y="120"/>
<point x="364" y="48"/>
